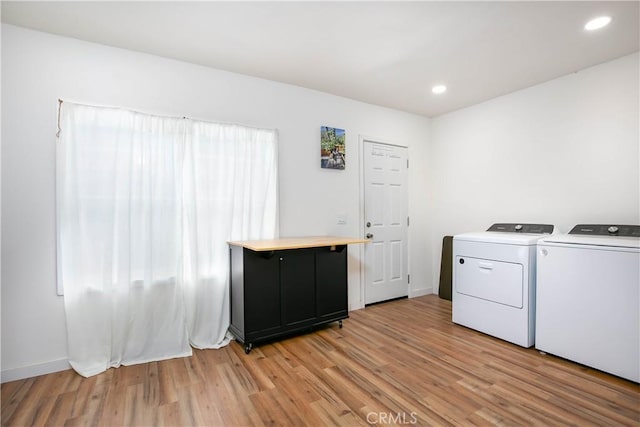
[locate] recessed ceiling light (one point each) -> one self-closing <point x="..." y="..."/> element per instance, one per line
<point x="439" y="89"/>
<point x="597" y="23"/>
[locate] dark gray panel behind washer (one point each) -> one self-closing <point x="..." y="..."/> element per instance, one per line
<point x="517" y="227"/>
<point x="607" y="230"/>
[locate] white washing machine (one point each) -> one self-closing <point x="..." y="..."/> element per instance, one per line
<point x="588" y="297"/>
<point x="494" y="280"/>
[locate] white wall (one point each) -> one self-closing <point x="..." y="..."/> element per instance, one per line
<point x="39" y="68"/>
<point x="563" y="152"/>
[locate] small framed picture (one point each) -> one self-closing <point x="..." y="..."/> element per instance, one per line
<point x="332" y="148"/>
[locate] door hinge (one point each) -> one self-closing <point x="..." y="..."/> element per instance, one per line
<point x="407" y="163"/>
<point x="408" y="278"/>
<point x="407" y="221"/>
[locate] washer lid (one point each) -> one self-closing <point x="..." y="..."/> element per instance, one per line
<point x="587" y="240"/>
<point x="504" y="238"/>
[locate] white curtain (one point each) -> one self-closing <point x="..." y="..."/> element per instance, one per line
<point x="230" y="194"/>
<point x="145" y="205"/>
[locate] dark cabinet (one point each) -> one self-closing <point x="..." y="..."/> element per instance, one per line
<point x="280" y="292"/>
<point x="297" y="284"/>
<point x="331" y="275"/>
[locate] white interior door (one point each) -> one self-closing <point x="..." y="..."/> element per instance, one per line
<point x="386" y="222"/>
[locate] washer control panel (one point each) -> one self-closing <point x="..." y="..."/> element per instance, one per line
<point x="522" y="228"/>
<point x="607" y="230"/>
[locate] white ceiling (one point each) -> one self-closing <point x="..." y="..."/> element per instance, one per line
<point x="384" y="53"/>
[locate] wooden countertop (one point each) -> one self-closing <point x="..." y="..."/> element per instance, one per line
<point x="296" y="243"/>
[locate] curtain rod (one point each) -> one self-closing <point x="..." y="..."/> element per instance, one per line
<point x="60" y="102"/>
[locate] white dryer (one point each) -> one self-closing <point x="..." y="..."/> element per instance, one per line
<point x="588" y="297"/>
<point x="494" y="280"/>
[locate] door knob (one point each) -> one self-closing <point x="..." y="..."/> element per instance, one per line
<point x="369" y="235"/>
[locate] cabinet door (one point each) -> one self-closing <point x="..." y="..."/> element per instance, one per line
<point x="331" y="281"/>
<point x="298" y="286"/>
<point x="262" y="291"/>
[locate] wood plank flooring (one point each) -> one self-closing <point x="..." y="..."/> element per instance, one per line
<point x="401" y="362"/>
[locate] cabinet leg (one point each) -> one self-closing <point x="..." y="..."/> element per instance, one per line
<point x="340" y="323"/>
<point x="247" y="348"/>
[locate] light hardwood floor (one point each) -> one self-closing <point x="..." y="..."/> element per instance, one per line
<point x="401" y="362"/>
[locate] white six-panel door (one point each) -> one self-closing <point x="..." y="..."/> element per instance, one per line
<point x="386" y="222"/>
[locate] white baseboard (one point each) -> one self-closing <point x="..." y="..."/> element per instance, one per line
<point x="420" y="292"/>
<point x="34" y="370"/>
<point x="355" y="307"/>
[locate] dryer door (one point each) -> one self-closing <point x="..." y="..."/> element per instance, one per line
<point x="496" y="281"/>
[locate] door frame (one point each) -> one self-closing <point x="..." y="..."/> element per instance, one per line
<point x="361" y="217"/>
